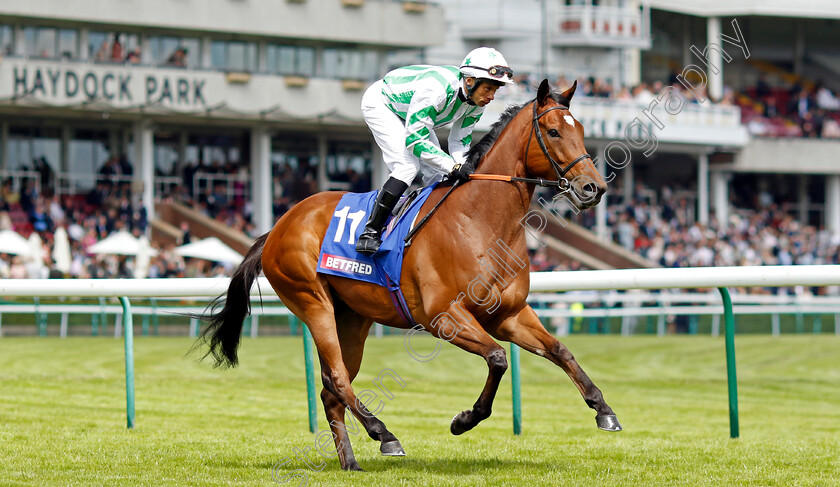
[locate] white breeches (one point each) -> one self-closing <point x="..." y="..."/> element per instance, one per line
<point x="389" y="132"/>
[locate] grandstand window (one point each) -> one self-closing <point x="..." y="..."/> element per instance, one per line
<point x="28" y="146"/>
<point x="88" y="153"/>
<point x="165" y="51"/>
<point x="350" y="64"/>
<point x="7" y="45"/>
<point x="234" y="55"/>
<point x="294" y="152"/>
<point x="291" y="60"/>
<point x="350" y="162"/>
<point x="51" y="43"/>
<point x="111" y="46"/>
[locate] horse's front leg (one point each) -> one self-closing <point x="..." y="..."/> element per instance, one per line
<point x="468" y="335"/>
<point x="525" y="329"/>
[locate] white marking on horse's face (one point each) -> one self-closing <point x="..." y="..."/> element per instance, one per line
<point x="569" y="120"/>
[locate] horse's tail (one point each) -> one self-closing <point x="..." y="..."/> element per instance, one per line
<point x="225" y="328"/>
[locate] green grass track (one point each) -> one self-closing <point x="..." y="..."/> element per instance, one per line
<point x="62" y="416"/>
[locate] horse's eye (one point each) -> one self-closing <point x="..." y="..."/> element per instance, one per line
<point x="554" y="133"/>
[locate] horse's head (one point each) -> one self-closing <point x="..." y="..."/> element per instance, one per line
<point x="559" y="153"/>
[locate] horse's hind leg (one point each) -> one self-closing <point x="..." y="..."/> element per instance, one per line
<point x="352" y="330"/>
<point x="525" y="330"/>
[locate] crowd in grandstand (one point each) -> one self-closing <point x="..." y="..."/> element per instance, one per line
<point x="783" y="109"/>
<point x="663" y="232"/>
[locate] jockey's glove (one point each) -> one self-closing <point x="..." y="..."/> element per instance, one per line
<point x="462" y="171"/>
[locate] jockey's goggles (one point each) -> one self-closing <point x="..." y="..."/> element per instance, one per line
<point x="497" y="72"/>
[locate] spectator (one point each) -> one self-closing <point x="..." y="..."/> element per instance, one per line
<point x="178" y="58"/>
<point x="117" y="49"/>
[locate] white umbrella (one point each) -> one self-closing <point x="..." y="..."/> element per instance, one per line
<point x="144" y="255"/>
<point x="210" y="248"/>
<point x="121" y="243"/>
<point x="12" y="243"/>
<point x="36" y="267"/>
<point x="61" y="251"/>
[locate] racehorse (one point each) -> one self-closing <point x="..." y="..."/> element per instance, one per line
<point x="445" y="260"/>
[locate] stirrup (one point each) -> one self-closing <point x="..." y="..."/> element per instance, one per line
<point x="368" y="243"/>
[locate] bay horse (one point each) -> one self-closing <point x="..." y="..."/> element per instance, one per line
<point x="443" y="261"/>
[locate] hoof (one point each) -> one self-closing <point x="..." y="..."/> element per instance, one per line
<point x="392" y="449"/>
<point x="608" y="423"/>
<point x="456" y="427"/>
<point x="354" y="467"/>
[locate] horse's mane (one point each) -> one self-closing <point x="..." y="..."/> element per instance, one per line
<point x="479" y="149"/>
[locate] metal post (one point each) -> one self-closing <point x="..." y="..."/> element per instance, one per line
<point x="255" y="325"/>
<point x="128" y="324"/>
<point x="310" y="379"/>
<point x="516" y="389"/>
<point x="63" y="329"/>
<point x="729" y="320"/>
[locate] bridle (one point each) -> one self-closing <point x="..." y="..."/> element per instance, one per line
<point x="562" y="184"/>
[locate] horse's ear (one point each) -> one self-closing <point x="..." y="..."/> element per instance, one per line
<point x="566" y="96"/>
<point x="543" y="92"/>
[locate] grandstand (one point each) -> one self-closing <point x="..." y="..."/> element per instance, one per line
<point x="157" y="117"/>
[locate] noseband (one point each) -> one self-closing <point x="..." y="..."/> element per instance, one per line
<point x="562" y="183"/>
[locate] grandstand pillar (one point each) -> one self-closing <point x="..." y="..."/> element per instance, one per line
<point x="703" y="188"/>
<point x="720" y="195"/>
<point x="714" y="58"/>
<point x="19" y="43"/>
<point x="84" y="35"/>
<point x="64" y="157"/>
<point x="832" y="203"/>
<point x="205" y="58"/>
<point x="145" y="49"/>
<point x="798" y="47"/>
<point x="323" y="180"/>
<point x="629" y="183"/>
<point x="144" y="165"/>
<point x="183" y="146"/>
<point x="601" y="209"/>
<point x="261" y="179"/>
<point x="262" y="57"/>
<point x="804" y="201"/>
<point x="379" y="174"/>
<point x="4" y="142"/>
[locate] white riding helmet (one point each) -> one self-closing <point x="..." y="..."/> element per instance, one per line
<point x="487" y="63"/>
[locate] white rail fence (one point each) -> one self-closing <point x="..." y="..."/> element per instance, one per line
<point x="714" y="277"/>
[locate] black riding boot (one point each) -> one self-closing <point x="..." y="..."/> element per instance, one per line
<point x="387" y="198"/>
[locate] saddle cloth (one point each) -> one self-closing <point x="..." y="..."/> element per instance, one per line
<point x="338" y="250"/>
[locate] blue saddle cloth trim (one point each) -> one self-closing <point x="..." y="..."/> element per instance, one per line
<point x="338" y="250"/>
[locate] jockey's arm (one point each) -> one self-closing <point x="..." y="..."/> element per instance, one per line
<point x="419" y="123"/>
<point x="460" y="136"/>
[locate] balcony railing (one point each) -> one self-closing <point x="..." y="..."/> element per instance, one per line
<point x="605" y="118"/>
<point x="576" y="25"/>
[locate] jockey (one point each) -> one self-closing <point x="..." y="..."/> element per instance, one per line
<point x="403" y="109"/>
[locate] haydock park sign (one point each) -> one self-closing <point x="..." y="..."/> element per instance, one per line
<point x="118" y="85"/>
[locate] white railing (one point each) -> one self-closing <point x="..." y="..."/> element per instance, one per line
<point x="236" y="186"/>
<point x="20" y="178"/>
<point x="719" y="277"/>
<point x="685" y="278"/>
